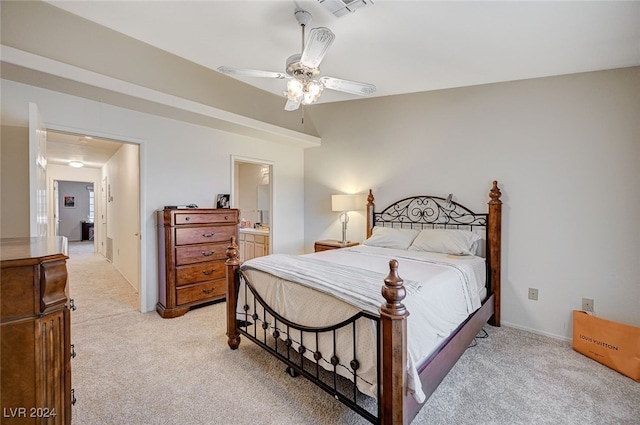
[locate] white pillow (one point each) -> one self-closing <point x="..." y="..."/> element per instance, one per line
<point x="388" y="237"/>
<point x="446" y="241"/>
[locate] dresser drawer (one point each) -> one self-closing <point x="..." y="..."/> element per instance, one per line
<point x="206" y="218"/>
<point x="205" y="234"/>
<point x="200" y="272"/>
<point x="191" y="254"/>
<point x="201" y="291"/>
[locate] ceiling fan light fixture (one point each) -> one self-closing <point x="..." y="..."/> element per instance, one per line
<point x="312" y="91"/>
<point x="295" y="89"/>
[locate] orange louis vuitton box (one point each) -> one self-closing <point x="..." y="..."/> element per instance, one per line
<point x="613" y="344"/>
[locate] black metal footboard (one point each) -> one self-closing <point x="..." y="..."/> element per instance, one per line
<point x="314" y="351"/>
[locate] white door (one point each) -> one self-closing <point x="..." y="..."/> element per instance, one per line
<point x="37" y="173"/>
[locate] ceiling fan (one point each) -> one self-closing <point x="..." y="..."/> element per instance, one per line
<point x="304" y="86"/>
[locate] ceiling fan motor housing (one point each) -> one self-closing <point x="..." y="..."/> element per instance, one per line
<point x="303" y="17"/>
<point x="297" y="70"/>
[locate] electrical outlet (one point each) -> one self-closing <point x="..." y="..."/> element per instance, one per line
<point x="533" y="294"/>
<point x="587" y="304"/>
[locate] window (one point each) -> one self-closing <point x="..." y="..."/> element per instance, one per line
<point x="92" y="205"/>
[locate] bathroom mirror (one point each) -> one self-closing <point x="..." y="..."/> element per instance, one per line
<point x="263" y="204"/>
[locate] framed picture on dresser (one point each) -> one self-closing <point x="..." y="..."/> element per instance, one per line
<point x="222" y="200"/>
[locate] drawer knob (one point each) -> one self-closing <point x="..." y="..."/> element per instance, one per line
<point x="208" y="272"/>
<point x="72" y="305"/>
<point x="208" y="254"/>
<point x="208" y="235"/>
<point x="187" y="218"/>
<point x="209" y="291"/>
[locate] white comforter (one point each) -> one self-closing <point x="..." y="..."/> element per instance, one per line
<point x="442" y="291"/>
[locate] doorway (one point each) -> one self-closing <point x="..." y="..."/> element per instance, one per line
<point x="252" y="195"/>
<point x="74" y="210"/>
<point x="100" y="201"/>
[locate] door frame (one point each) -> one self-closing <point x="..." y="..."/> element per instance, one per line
<point x="143" y="292"/>
<point x="38" y="190"/>
<point x="53" y="199"/>
<point x="245" y="159"/>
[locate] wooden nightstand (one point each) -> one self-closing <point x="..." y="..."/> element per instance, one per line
<point x="331" y="244"/>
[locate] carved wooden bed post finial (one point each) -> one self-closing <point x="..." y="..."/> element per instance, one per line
<point x="233" y="266"/>
<point x="370" y="207"/>
<point x="495" y="193"/>
<point x="393" y="329"/>
<point x="494" y="226"/>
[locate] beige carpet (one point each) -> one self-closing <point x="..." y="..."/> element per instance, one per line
<point x="135" y="368"/>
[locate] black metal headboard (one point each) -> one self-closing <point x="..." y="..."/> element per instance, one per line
<point x="420" y="212"/>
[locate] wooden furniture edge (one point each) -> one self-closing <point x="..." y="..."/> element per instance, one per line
<point x="494" y="253"/>
<point x="233" y="280"/>
<point x="393" y="349"/>
<point x="370" y="210"/>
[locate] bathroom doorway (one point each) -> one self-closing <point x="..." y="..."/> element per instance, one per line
<point x="252" y="196"/>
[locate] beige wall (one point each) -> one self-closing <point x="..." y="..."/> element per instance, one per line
<point x="122" y="172"/>
<point x="181" y="163"/>
<point x="566" y="151"/>
<point x="14" y="176"/>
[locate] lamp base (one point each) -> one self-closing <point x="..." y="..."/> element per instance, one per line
<point x="344" y="229"/>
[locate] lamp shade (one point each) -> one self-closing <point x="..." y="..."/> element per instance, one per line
<point x="344" y="202"/>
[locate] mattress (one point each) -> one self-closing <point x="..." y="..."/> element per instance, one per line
<point x="442" y="291"/>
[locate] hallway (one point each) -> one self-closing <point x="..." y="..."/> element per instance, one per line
<point x="97" y="287"/>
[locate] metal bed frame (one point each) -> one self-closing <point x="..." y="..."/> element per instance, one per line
<point x="286" y="340"/>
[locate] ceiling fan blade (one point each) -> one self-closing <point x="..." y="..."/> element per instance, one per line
<point x="353" y="87"/>
<point x="316" y="47"/>
<point x="292" y="105"/>
<point x="251" y="73"/>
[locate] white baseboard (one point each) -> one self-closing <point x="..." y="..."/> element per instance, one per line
<point x="537" y="332"/>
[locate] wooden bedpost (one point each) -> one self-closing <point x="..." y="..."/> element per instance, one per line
<point x="393" y="329"/>
<point x="233" y="266"/>
<point x="370" y="207"/>
<point x="494" y="235"/>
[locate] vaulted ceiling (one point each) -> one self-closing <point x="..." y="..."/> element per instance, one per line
<point x="399" y="46"/>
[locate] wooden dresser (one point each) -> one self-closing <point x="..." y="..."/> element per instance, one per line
<point x="192" y="245"/>
<point x="36" y="331"/>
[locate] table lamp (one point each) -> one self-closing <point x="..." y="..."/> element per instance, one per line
<point x="344" y="204"/>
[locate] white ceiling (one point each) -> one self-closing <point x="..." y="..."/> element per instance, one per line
<point x="63" y="148"/>
<point x="399" y="46"/>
